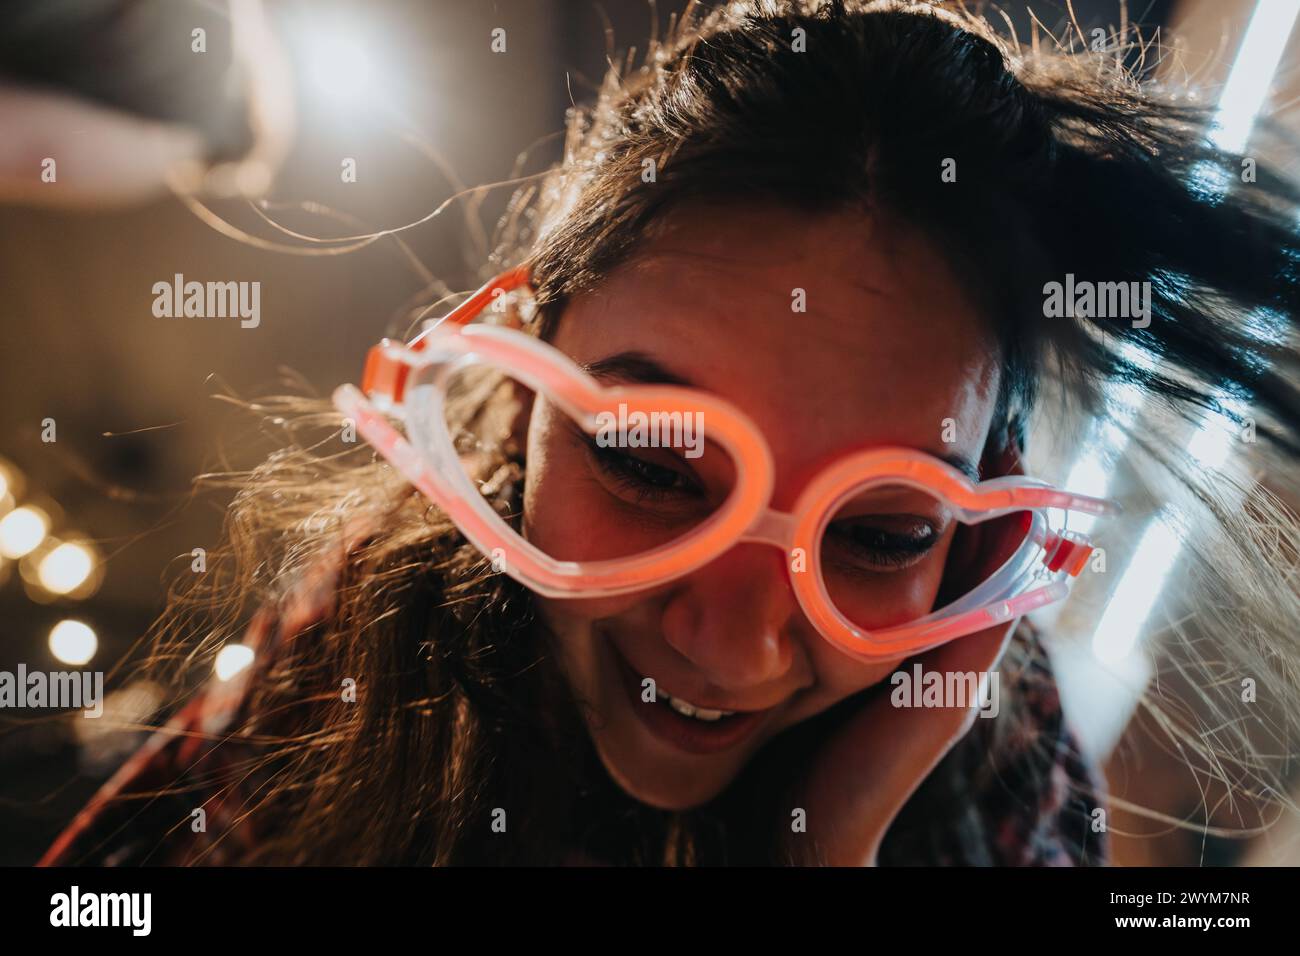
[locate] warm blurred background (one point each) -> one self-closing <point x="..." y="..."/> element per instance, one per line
<point x="93" y="523"/>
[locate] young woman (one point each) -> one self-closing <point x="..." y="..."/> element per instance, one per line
<point x="825" y="229"/>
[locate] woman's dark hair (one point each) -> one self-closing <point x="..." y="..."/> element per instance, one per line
<point x="1064" y="164"/>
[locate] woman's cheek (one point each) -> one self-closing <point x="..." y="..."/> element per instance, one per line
<point x="840" y="676"/>
<point x="897" y="599"/>
<point x="562" y="516"/>
<point x="561" y="526"/>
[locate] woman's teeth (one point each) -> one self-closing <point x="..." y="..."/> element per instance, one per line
<point x="687" y="709"/>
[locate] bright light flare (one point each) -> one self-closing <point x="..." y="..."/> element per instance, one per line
<point x="232" y="659"/>
<point x="22" y="531"/>
<point x="11" y="482"/>
<point x="337" y="65"/>
<point x="66" y="568"/>
<point x="1126" y="614"/>
<point x="1252" y="72"/>
<point x="73" y="642"/>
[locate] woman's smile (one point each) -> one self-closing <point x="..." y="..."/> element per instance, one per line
<point x="690" y="728"/>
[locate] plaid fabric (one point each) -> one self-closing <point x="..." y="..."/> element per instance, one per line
<point x="1023" y="798"/>
<point x="1016" y="791"/>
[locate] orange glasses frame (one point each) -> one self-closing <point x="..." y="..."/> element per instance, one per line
<point x="1039" y="573"/>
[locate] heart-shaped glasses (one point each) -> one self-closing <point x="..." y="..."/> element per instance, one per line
<point x="890" y="551"/>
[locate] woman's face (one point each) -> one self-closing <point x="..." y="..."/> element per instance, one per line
<point x="888" y="350"/>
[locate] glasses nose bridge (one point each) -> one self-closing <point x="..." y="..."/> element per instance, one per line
<point x="771" y="527"/>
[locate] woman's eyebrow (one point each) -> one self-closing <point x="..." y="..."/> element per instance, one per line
<point x="639" y="367"/>
<point x="963" y="464"/>
<point x="635" y="367"/>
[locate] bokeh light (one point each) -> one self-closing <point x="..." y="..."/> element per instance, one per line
<point x="232" y="659"/>
<point x="22" y="530"/>
<point x="66" y="568"/>
<point x="73" y="642"/>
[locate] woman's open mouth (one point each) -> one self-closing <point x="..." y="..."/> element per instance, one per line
<point x="682" y="724"/>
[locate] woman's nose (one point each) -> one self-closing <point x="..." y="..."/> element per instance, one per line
<point x="731" y="618"/>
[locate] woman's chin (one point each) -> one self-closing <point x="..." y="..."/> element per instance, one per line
<point x="664" y="788"/>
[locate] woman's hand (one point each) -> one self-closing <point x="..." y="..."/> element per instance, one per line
<point x="866" y="772"/>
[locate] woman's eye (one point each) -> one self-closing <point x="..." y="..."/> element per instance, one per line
<point x="643" y="479"/>
<point x="887" y="542"/>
